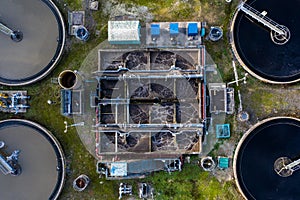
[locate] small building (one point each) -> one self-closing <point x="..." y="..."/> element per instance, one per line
<point x="71" y="102"/>
<point x="75" y="18"/>
<point x="223" y="162"/>
<point x="223" y="130"/>
<point x="118" y="169"/>
<point x="124" y="32"/>
<point x="136" y="168"/>
<point x="221" y="98"/>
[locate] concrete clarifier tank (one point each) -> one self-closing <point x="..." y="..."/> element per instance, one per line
<point x="254" y="48"/>
<point x="256" y="155"/>
<point x="34" y="55"/>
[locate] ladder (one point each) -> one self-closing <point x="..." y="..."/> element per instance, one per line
<point x="266" y="21"/>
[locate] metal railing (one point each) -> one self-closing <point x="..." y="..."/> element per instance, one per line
<point x="4" y="29"/>
<point x="247" y="9"/>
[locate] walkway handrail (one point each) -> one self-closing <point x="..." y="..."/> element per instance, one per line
<point x="261" y="18"/>
<point x="293" y="164"/>
<point x="4" y="29"/>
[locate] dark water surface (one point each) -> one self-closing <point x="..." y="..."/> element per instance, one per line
<point x="255" y="161"/>
<point x="280" y="63"/>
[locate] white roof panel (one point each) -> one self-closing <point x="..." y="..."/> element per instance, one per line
<point x="118" y="169"/>
<point x="123" y="31"/>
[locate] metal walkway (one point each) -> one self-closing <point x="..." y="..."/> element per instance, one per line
<point x="4" y="29"/>
<point x="247" y="9"/>
<point x="293" y="165"/>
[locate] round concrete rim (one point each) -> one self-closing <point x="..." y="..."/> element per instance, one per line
<point x="60" y="77"/>
<point x="50" y="68"/>
<point x="237" y="149"/>
<point x="56" y="143"/>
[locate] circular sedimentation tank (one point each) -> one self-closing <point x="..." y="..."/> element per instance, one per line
<point x="37" y="43"/>
<point x="41" y="159"/>
<point x="260" y="158"/>
<point x="262" y="52"/>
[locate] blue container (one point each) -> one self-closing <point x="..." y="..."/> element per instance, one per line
<point x="155" y="29"/>
<point x="192" y="29"/>
<point x="223" y="163"/>
<point x="174" y="30"/>
<point x="202" y="33"/>
<point x="223" y="130"/>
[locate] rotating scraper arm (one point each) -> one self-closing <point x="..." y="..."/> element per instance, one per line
<point x="4" y="29"/>
<point x="16" y="36"/>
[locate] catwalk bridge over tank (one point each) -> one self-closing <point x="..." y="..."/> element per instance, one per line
<point x="279" y="34"/>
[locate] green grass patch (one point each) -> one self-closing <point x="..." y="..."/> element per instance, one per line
<point x="191" y="183"/>
<point x="74" y="4"/>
